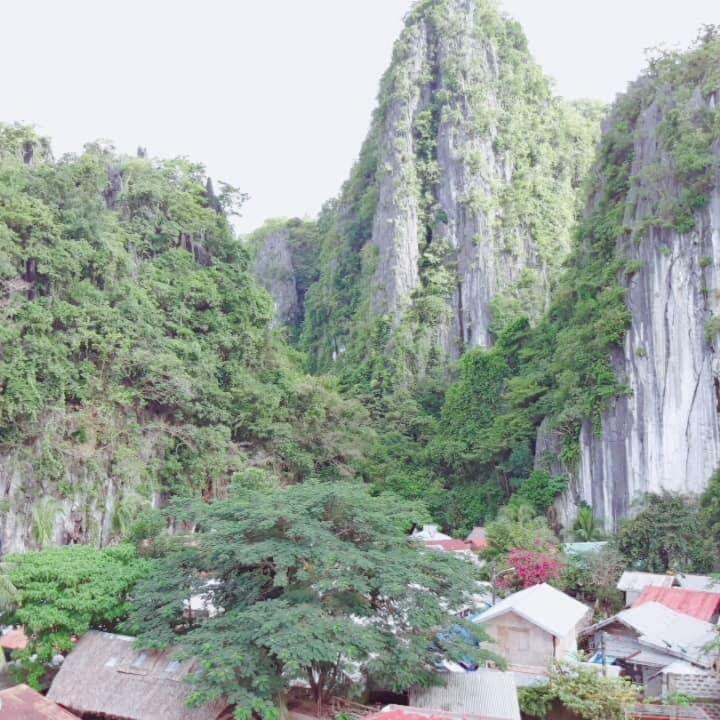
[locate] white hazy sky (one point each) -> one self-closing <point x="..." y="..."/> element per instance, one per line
<point x="275" y="96"/>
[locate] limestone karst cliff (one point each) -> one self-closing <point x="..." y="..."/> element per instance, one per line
<point x="663" y="433"/>
<point x="459" y="211"/>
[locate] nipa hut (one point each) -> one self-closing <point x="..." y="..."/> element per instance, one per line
<point x="105" y="677"/>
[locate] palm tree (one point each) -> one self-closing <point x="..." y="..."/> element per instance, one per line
<point x="586" y="528"/>
<point x="44" y="515"/>
<point x="9" y="594"/>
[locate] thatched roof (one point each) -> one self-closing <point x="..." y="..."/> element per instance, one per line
<point x="104" y="676"/>
<point x="23" y="703"/>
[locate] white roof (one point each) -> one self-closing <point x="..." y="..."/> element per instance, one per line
<point x="484" y="692"/>
<point x="429" y="532"/>
<point x="542" y="605"/>
<point x="670" y="632"/>
<point x="640" y="580"/>
<point x="703" y="583"/>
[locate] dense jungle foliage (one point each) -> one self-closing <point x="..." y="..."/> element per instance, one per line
<point x="463" y="437"/>
<point x="137" y="357"/>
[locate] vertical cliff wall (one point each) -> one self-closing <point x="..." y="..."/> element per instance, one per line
<point x="663" y="432"/>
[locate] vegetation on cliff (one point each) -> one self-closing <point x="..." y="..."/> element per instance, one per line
<point x="137" y="358"/>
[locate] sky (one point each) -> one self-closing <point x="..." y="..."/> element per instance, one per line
<point x="275" y="96"/>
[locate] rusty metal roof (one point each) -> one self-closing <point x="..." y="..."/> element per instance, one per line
<point x="23" y="703"/>
<point x="701" y="605"/>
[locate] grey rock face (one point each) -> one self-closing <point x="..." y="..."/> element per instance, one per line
<point x="665" y="433"/>
<point x="444" y="200"/>
<point x="274" y="268"/>
<point x="84" y="506"/>
<point x="471" y="173"/>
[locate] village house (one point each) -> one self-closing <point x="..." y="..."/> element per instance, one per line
<point x="478" y="539"/>
<point x="484" y="693"/>
<point x="432" y="539"/>
<point x="403" y="712"/>
<point x="429" y="533"/>
<point x="105" y="677"/>
<point x="23" y="703"/>
<point x="662" y="649"/>
<point x="633" y="583"/>
<point x="535" y="627"/>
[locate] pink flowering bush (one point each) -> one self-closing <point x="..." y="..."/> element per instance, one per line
<point x="532" y="568"/>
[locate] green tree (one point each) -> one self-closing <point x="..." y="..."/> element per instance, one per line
<point x="9" y="594"/>
<point x="541" y="490"/>
<point x="603" y="571"/>
<point x="586" y="693"/>
<point x="64" y="592"/>
<point x="668" y="532"/>
<point x="710" y="504"/>
<point x="318" y="582"/>
<point x="137" y="348"/>
<point x="518" y="526"/>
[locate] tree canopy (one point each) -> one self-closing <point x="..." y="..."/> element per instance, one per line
<point x="64" y="592"/>
<point x="587" y="693"/>
<point x="668" y="532"/>
<point x="318" y="582"/>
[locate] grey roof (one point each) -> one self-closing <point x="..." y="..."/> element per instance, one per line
<point x="640" y="580"/>
<point x="105" y="676"/>
<point x="484" y="692"/>
<point x="665" y="630"/>
<point x="542" y="605"/>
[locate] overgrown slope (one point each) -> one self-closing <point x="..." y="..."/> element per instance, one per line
<point x="136" y="356"/>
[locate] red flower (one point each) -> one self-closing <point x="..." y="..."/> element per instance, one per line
<point x="533" y="568"/>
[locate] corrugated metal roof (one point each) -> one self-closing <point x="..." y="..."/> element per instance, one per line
<point x="584" y="548"/>
<point x="487" y="693"/>
<point x="449" y="545"/>
<point x="666" y="712"/>
<point x="698" y="582"/>
<point x="23" y="703"/>
<point x="669" y="631"/>
<point x="542" y="605"/>
<point x="404" y="712"/>
<point x="701" y="605"/>
<point x="640" y="580"/>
